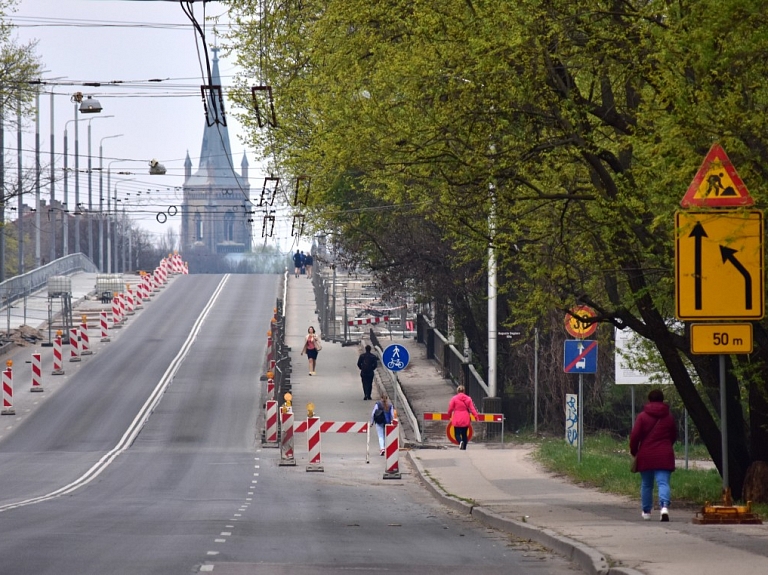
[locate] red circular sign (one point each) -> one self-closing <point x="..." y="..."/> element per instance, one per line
<point x="451" y="433"/>
<point x="574" y="324"/>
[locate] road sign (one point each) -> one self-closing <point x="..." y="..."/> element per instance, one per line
<point x="395" y="357"/>
<point x="716" y="184"/>
<point x="721" y="338"/>
<point x="719" y="265"/>
<point x="574" y="324"/>
<point x="580" y="356"/>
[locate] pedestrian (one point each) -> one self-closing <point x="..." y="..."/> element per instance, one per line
<point x="303" y="258"/>
<point x="308" y="261"/>
<point x="383" y="413"/>
<point x="650" y="442"/>
<point x="367" y="363"/>
<point x="311" y="346"/>
<point x="297" y="263"/>
<point x="459" y="409"/>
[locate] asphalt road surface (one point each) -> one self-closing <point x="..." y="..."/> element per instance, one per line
<point x="148" y="461"/>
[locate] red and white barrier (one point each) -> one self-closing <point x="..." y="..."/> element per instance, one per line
<point x="85" y="343"/>
<point x="8" y="393"/>
<point x="286" y="440"/>
<point x="74" y="345"/>
<point x="121" y="302"/>
<point x="116" y="309"/>
<point x="313" y="444"/>
<point x="138" y="296"/>
<point x="392" y="451"/>
<point x="129" y="300"/>
<point x="368" y="320"/>
<point x="270" y="435"/>
<point x="58" y="358"/>
<point x="37" y="372"/>
<point x="104" y="327"/>
<point x="270" y="388"/>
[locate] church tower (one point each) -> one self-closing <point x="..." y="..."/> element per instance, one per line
<point x="215" y="210"/>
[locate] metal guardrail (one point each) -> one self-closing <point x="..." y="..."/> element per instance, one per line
<point x="17" y="287"/>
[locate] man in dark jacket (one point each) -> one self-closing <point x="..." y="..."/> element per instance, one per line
<point x="651" y="441"/>
<point x="367" y="363"/>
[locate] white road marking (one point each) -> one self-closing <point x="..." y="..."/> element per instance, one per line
<point x="212" y="553"/>
<point x="226" y="533"/>
<point x="206" y="568"/>
<point x="219" y="540"/>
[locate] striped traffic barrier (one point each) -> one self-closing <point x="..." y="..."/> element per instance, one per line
<point x="129" y="300"/>
<point x="270" y="435"/>
<point x="481" y="418"/>
<point x="115" y="310"/>
<point x="313" y="444"/>
<point x="392" y="451"/>
<point x="58" y="357"/>
<point x="37" y="372"/>
<point x="85" y="343"/>
<point x="8" y="392"/>
<point x="138" y="296"/>
<point x="104" y="327"/>
<point x="74" y="345"/>
<point x="123" y="310"/>
<point x="286" y="440"/>
<point x="367" y="320"/>
<point x="270" y="388"/>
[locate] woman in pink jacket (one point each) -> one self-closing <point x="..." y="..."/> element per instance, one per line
<point x="458" y="410"/>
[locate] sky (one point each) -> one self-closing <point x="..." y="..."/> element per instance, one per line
<point x="130" y="42"/>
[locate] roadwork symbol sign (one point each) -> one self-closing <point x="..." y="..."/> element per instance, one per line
<point x="716" y="184"/>
<point x="719" y="265"/>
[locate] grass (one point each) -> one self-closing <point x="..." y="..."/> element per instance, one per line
<point x="605" y="465"/>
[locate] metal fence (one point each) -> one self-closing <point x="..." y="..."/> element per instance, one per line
<point x="280" y="351"/>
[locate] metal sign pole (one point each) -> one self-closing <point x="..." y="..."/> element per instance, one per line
<point x="581" y="414"/>
<point x="724" y="423"/>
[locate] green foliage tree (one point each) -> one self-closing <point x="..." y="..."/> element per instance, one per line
<point x="564" y="133"/>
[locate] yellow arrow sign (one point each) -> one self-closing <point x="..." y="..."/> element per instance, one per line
<point x="719" y="265"/>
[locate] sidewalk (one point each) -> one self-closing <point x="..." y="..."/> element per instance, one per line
<point x="507" y="489"/>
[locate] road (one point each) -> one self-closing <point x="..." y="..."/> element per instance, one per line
<point x="147" y="461"/>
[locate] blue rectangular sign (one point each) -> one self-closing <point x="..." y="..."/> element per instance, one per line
<point x="580" y="356"/>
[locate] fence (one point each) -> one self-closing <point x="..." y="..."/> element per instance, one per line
<point x="280" y="351"/>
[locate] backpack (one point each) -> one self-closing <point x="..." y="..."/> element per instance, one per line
<point x="379" y="416"/>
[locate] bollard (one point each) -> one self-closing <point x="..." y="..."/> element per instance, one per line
<point x="129" y="300"/>
<point x="271" y="425"/>
<point x="85" y="344"/>
<point x="58" y="358"/>
<point x="286" y="440"/>
<point x="104" y="327"/>
<point x="115" y="310"/>
<point x="74" y="345"/>
<point x="123" y="314"/>
<point x="37" y="372"/>
<point x="139" y="296"/>
<point x="270" y="388"/>
<point x="392" y="451"/>
<point x="313" y="444"/>
<point x="8" y="391"/>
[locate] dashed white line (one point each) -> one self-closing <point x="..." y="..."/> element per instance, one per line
<point x="212" y="553"/>
<point x="226" y="533"/>
<point x="219" y="540"/>
<point x="206" y="568"/>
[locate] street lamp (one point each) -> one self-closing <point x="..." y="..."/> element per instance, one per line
<point x="109" y="243"/>
<point x="101" y="199"/>
<point x="90" y="186"/>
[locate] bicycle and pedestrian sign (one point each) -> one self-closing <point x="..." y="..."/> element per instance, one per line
<point x="395" y="357"/>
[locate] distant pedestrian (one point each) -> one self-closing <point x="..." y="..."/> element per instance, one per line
<point x="367" y="363"/>
<point x="383" y="413"/>
<point x="651" y="441"/>
<point x="311" y="346"/>
<point x="297" y="263"/>
<point x="308" y="261"/>
<point x="459" y="410"/>
<point x="303" y="259"/>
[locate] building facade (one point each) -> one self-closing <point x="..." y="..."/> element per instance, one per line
<point x="216" y="207"/>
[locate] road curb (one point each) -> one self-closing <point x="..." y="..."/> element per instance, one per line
<point x="590" y="560"/>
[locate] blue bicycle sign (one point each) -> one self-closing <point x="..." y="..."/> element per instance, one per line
<point x="395" y="357"/>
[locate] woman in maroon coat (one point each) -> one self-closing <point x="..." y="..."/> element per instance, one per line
<point x="651" y="441"/>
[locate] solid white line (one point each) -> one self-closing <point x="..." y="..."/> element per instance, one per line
<point x="139" y="421"/>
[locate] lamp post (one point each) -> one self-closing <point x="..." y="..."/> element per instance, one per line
<point x="101" y="199"/>
<point x="109" y="243"/>
<point x="87" y="106"/>
<point x="90" y="188"/>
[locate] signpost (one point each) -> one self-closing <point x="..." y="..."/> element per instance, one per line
<point x="719" y="273"/>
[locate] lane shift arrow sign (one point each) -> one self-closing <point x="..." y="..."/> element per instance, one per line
<point x="728" y="255"/>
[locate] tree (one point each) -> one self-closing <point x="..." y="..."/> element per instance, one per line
<point x="564" y="133"/>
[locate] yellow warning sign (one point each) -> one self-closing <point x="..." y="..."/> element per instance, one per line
<point x="717" y="184"/>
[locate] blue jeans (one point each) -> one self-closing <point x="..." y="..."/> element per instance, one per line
<point x="661" y="476"/>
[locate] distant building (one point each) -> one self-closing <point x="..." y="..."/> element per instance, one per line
<point x="215" y="212"/>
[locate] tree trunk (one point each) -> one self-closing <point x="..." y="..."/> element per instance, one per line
<point x="756" y="482"/>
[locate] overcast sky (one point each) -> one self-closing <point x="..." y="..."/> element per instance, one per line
<point x="85" y="41"/>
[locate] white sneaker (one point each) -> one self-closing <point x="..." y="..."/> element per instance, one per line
<point x="664" y="514"/>
<point x="645" y="516"/>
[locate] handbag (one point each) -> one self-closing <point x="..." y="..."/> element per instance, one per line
<point x="318" y="345"/>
